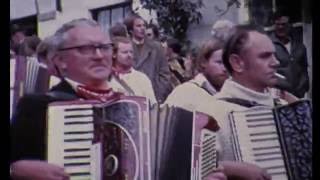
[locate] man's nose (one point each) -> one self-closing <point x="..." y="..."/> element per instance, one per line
<point x="275" y="61"/>
<point x="98" y="53"/>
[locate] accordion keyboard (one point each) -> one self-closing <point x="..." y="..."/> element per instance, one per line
<point x="70" y="136"/>
<point x="256" y="141"/>
<point x="208" y="156"/>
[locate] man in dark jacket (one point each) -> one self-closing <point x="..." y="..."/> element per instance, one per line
<point x="83" y="58"/>
<point x="149" y="57"/>
<point x="292" y="56"/>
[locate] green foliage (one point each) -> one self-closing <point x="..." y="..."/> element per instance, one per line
<point x="175" y="16"/>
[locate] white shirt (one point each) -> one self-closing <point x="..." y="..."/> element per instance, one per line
<point x="190" y="95"/>
<point x="137" y="81"/>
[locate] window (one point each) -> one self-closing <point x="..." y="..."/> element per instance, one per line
<point x="108" y="16"/>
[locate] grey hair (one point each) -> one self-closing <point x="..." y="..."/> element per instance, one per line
<point x="61" y="33"/>
<point x="47" y="48"/>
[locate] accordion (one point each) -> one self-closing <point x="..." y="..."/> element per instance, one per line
<point x="130" y="139"/>
<point x="278" y="140"/>
<point x="26" y="76"/>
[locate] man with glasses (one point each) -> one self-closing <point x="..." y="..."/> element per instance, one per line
<point x="292" y="56"/>
<point x="82" y="57"/>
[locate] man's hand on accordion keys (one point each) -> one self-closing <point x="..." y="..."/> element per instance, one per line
<point x="36" y="170"/>
<point x="218" y="174"/>
<point x="244" y="171"/>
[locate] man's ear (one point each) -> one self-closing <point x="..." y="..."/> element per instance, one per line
<point x="203" y="65"/>
<point x="237" y="63"/>
<point x="59" y="62"/>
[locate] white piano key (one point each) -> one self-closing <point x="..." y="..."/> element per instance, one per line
<point x="77" y="112"/>
<point x="280" y="177"/>
<point x="77" y="169"/>
<point x="82" y="119"/>
<point x="77" y="153"/>
<point x="78" y="136"/>
<point x="82" y="177"/>
<point x="76" y="160"/>
<point x="78" y="127"/>
<point x="77" y="145"/>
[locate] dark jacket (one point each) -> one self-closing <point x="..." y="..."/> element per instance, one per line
<point x="150" y="59"/>
<point x="293" y="65"/>
<point x="28" y="129"/>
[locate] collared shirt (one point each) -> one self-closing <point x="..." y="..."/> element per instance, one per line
<point x="192" y="95"/>
<point x="137" y="81"/>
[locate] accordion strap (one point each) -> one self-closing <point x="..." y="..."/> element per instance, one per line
<point x="61" y="95"/>
<point x="241" y="102"/>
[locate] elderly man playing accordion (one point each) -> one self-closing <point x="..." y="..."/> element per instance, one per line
<point x="83" y="60"/>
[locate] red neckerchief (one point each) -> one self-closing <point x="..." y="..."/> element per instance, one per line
<point x="103" y="95"/>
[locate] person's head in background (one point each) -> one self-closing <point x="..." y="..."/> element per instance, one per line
<point x="45" y="52"/>
<point x="209" y="62"/>
<point x="122" y="54"/>
<point x="17" y="37"/>
<point x="29" y="46"/>
<point x="136" y="27"/>
<point x="17" y="34"/>
<point x="190" y="61"/>
<point x="173" y="48"/>
<point x="221" y="29"/>
<point x="152" y="32"/>
<point x="281" y="23"/>
<point x="119" y="29"/>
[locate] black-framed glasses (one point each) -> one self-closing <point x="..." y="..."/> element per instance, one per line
<point x="90" y="49"/>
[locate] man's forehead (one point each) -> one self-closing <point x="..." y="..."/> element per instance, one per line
<point x="87" y="33"/>
<point x="282" y="19"/>
<point x="258" y="40"/>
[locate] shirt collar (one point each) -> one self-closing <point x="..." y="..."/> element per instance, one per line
<point x="202" y="81"/>
<point x="137" y="41"/>
<point x="73" y="83"/>
<point x="233" y="89"/>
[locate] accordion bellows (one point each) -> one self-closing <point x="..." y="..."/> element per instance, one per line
<point x="130" y="139"/>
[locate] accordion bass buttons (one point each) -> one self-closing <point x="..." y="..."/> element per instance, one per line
<point x="111" y="165"/>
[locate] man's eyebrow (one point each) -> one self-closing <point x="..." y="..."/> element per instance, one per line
<point x="266" y="53"/>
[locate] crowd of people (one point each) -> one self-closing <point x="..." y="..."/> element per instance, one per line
<point x="237" y="65"/>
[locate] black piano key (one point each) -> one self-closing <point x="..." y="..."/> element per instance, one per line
<point x="78" y="140"/>
<point x="78" y="122"/>
<point x="262" y="133"/>
<point x="266" y="153"/>
<point x="77" y="116"/>
<point x="258" y="114"/>
<point x="260" y="125"/>
<point x="76" y="149"/>
<point x="77" y="109"/>
<point x="264" y="139"/>
<point x="76" y="164"/>
<point x="265" y="148"/>
<point x="76" y="156"/>
<point x="268" y="159"/>
<point x="274" y="167"/>
<point x="78" y="132"/>
<point x="79" y="174"/>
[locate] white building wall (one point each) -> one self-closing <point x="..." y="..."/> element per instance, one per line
<point x="22" y="8"/>
<point x="72" y="9"/>
<point x="198" y="33"/>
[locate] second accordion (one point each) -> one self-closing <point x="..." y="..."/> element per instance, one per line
<point x="277" y="139"/>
